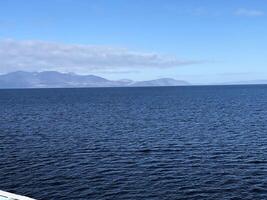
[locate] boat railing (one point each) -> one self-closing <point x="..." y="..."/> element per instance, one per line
<point x="10" y="196"/>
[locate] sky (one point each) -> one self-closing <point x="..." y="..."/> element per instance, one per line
<point x="200" y="41"/>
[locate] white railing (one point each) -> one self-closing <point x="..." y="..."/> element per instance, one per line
<point x="10" y="196"/>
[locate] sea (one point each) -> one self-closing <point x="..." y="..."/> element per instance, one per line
<point x="154" y="143"/>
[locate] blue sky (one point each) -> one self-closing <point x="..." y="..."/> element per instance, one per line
<point x="201" y="41"/>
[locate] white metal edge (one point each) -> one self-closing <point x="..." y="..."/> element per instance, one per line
<point x="14" y="196"/>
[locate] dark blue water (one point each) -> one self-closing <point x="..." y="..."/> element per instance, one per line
<point x="135" y="143"/>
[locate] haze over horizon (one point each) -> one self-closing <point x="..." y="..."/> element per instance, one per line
<point x="195" y="41"/>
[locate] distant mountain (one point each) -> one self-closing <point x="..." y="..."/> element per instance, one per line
<point x="53" y="79"/>
<point x="251" y="82"/>
<point x="160" y="82"/>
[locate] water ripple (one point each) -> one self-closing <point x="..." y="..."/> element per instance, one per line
<point x="137" y="143"/>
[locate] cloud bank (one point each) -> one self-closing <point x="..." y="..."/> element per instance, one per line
<point x="35" y="55"/>
<point x="249" y="12"/>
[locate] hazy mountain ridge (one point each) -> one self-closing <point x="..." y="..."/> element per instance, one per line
<point x="162" y="81"/>
<point x="249" y="82"/>
<point x="54" y="79"/>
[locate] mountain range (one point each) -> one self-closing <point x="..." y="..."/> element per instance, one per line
<point x="54" y="79"/>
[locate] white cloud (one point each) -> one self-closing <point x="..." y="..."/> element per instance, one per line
<point x="249" y="12"/>
<point x="35" y="55"/>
